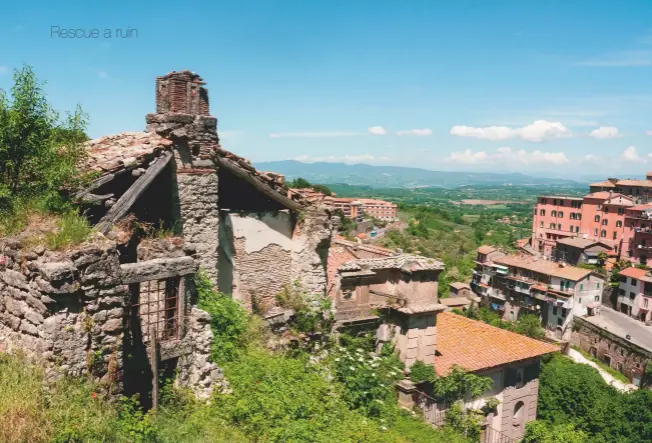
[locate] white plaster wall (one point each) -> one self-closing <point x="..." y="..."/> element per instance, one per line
<point x="260" y="231"/>
<point x="636" y="288"/>
<point x="495" y="392"/>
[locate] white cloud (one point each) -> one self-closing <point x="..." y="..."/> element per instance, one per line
<point x="313" y="134"/>
<point x="537" y="131"/>
<point x="590" y="158"/>
<point x="648" y="132"/>
<point x="630" y="155"/>
<point x="467" y="157"/>
<point x="347" y="158"/>
<point x="505" y="154"/>
<point x="3" y="70"/>
<point x="424" y="131"/>
<point x="377" y="130"/>
<point x="604" y="132"/>
<point x="103" y="75"/>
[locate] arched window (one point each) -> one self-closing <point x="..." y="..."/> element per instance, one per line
<point x="579" y="216"/>
<point x="572" y="216"/>
<point x="603" y="233"/>
<point x="604" y="222"/>
<point x="560" y="214"/>
<point x="619" y="224"/>
<point x="518" y="412"/>
<point x="554" y="213"/>
<point x="542" y="212"/>
<point x="597" y="218"/>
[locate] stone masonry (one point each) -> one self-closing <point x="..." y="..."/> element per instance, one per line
<point x="182" y="116"/>
<point x="70" y="310"/>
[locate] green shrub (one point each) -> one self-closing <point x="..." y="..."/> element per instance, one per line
<point x="421" y="372"/>
<point x="229" y="321"/>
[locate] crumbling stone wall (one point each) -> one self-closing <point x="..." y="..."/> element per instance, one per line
<point x="624" y="356"/>
<point x="262" y="253"/>
<point x="70" y="310"/>
<point x="195" y="180"/>
<point x="65" y="309"/>
<point x="311" y="241"/>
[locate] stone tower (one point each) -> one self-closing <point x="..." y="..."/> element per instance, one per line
<point x="183" y="116"/>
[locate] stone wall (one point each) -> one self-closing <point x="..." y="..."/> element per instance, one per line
<point x="195" y="180"/>
<point x="624" y="356"/>
<point x="65" y="309"/>
<point x="261" y="253"/>
<point x="71" y="311"/>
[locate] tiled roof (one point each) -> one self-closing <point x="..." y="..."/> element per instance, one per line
<point x="633" y="273"/>
<point x="616" y="199"/>
<point x="405" y="262"/>
<point x="126" y="150"/>
<point x="361" y="246"/>
<point x="460" y="285"/>
<point x="486" y="249"/>
<point x="337" y="256"/>
<point x="577" y="242"/>
<point x="475" y="346"/>
<point x="542" y="266"/>
<point x="640" y="207"/>
<point x="129" y="150"/>
<point x="455" y="301"/>
<point x="635" y="183"/>
<point x="604" y="184"/>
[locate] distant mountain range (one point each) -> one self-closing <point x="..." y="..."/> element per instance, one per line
<point x="402" y="177"/>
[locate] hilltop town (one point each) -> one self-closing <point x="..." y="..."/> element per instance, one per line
<point x="166" y="267"/>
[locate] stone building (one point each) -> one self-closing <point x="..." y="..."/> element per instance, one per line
<point x="514" y="285"/>
<point x="125" y="299"/>
<point x="610" y="345"/>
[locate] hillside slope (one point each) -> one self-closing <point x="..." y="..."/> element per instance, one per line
<point x="401" y="177"/>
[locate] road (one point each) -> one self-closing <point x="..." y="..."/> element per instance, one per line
<point x="621" y="325"/>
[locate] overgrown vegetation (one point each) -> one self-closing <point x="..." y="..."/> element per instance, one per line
<point x="39" y="156"/>
<point x="576" y="405"/>
<point x="614" y="373"/>
<point x="452" y="234"/>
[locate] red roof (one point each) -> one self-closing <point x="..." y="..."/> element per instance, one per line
<point x="633" y="273"/>
<point x="475" y="346"/>
<point x="337" y="256"/>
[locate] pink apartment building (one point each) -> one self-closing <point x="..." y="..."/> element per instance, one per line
<point x="621" y="220"/>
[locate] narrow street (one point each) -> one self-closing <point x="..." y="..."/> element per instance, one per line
<point x="621" y="325"/>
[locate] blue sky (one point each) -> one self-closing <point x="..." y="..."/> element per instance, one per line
<point x="537" y="87"/>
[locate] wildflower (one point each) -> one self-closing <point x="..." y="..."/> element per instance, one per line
<point x="384" y="428"/>
<point x="94" y="395"/>
<point x="337" y="359"/>
<point x="373" y="374"/>
<point x="360" y="351"/>
<point x="360" y="359"/>
<point x="352" y="368"/>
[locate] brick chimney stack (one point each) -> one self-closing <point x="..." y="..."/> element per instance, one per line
<point x="648" y="176"/>
<point x="181" y="92"/>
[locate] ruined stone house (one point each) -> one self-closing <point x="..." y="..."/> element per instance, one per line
<point x="101" y="307"/>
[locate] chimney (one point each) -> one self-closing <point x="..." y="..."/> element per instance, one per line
<point x="610" y="194"/>
<point x="648" y="176"/>
<point x="613" y="180"/>
<point x="181" y="93"/>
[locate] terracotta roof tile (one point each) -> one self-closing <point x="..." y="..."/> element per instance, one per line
<point x="541" y="266"/>
<point x="337" y="256"/>
<point x="126" y="150"/>
<point x="633" y="273"/>
<point x="475" y="346"/>
<point x="604" y="184"/>
<point x="486" y="249"/>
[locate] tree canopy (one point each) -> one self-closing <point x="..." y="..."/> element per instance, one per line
<point x="39" y="151"/>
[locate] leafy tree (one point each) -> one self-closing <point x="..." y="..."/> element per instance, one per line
<point x="576" y="394"/>
<point x="530" y="325"/>
<point x="322" y="188"/>
<point x="39" y="152"/>
<point x="542" y="432"/>
<point x="299" y="183"/>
